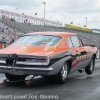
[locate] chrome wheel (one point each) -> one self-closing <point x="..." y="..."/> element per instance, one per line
<point x="91" y="65"/>
<point x="61" y="77"/>
<point x="97" y="55"/>
<point x="64" y="71"/>
<point x="90" y="68"/>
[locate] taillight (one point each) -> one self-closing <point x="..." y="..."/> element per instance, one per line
<point x="42" y="60"/>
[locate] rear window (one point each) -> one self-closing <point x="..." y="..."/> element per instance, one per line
<point x="38" y="40"/>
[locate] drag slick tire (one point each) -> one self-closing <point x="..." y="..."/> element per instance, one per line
<point x="61" y="77"/>
<point x="11" y="77"/>
<point x="63" y="73"/>
<point x="90" y="68"/>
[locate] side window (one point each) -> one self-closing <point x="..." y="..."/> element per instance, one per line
<point x="81" y="44"/>
<point x="69" y="42"/>
<point x="75" y="41"/>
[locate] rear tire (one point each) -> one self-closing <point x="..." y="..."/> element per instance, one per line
<point x="61" y="77"/>
<point x="63" y="73"/>
<point x="11" y="77"/>
<point x="90" y="68"/>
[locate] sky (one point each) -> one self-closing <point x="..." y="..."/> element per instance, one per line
<point x="64" y="11"/>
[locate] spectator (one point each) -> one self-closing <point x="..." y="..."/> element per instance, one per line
<point x="0" y="29"/>
<point x="12" y="41"/>
<point x="0" y="45"/>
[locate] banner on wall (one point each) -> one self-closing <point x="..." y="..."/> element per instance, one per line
<point x="77" y="27"/>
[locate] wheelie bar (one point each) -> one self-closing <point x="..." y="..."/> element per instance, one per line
<point x="27" y="82"/>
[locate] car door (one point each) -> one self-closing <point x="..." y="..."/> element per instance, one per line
<point x="85" y="54"/>
<point x="79" y="53"/>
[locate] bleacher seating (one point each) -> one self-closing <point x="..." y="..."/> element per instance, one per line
<point x="26" y="28"/>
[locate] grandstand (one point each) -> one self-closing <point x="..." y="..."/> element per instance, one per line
<point x="13" y="29"/>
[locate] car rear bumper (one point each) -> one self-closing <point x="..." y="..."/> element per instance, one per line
<point x="25" y="70"/>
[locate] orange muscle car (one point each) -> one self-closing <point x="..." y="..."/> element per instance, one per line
<point x="50" y="54"/>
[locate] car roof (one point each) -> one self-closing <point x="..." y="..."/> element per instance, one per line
<point x="61" y="34"/>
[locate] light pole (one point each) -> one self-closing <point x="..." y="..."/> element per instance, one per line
<point x="86" y="25"/>
<point x="44" y="11"/>
<point x="22" y="17"/>
<point x="86" y="21"/>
